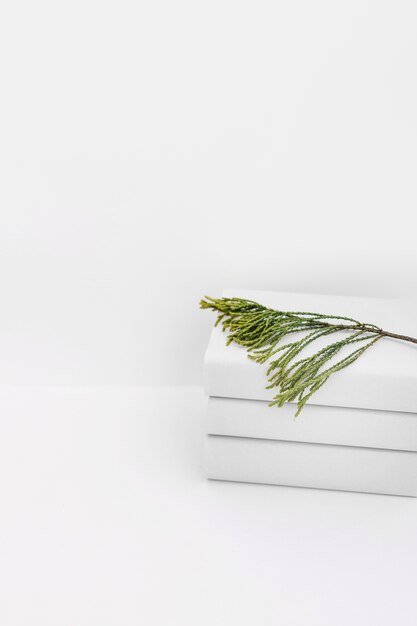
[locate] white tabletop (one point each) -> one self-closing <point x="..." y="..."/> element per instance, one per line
<point x="105" y="519"/>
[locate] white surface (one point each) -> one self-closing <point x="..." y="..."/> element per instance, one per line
<point x="106" y="520"/>
<point x="151" y="152"/>
<point x="314" y="465"/>
<point x="319" y="424"/>
<point x="155" y="151"/>
<point x="384" y="377"/>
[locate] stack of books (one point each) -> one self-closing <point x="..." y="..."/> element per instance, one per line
<point x="357" y="433"/>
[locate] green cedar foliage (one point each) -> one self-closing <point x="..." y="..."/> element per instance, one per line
<point x="262" y="330"/>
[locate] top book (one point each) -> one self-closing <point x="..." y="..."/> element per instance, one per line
<point x="383" y="378"/>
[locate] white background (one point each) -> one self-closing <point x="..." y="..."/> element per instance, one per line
<point x="153" y="152"/>
<point x="150" y="153"/>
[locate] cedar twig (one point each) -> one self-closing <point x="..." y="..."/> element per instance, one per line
<point x="260" y="330"/>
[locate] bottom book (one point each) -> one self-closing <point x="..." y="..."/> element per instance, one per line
<point x="320" y="466"/>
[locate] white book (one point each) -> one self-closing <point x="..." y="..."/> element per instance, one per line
<point x="311" y="465"/>
<point x="316" y="424"/>
<point x="383" y="378"/>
